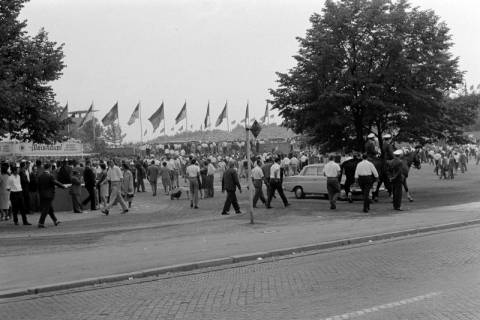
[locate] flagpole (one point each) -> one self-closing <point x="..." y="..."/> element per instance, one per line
<point x="94" y="138"/>
<point x="119" y="132"/>
<point x="186" y="117"/>
<point x="209" y="117"/>
<point x="164" y="124"/>
<point x="140" y="117"/>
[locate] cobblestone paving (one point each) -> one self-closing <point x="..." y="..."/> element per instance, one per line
<point x="424" y="277"/>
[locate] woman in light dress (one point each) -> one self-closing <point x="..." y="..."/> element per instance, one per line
<point x="103" y="185"/>
<point x="4" y="193"/>
<point x="127" y="184"/>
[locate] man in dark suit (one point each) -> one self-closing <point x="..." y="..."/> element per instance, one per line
<point x="230" y="183"/>
<point x="89" y="180"/>
<point x="152" y="176"/>
<point x="395" y="175"/>
<point x="46" y="187"/>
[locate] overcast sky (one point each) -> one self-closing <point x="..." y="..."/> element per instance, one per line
<point x="195" y="50"/>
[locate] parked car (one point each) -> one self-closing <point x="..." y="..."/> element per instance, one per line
<point x="310" y="181"/>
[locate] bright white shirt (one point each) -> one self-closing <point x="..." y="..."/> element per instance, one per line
<point x="294" y="161"/>
<point x="257" y="173"/>
<point x="275" y="171"/>
<point x="303" y="158"/>
<point x="331" y="169"/>
<point x="210" y="169"/>
<point x="365" y="168"/>
<point x="14" y="184"/>
<point x="114" y="174"/>
<point x="193" y="171"/>
<point x="286" y="162"/>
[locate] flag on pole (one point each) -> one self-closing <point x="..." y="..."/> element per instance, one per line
<point x="206" y="122"/>
<point x="163" y="130"/>
<point x="222" y="116"/>
<point x="157" y="117"/>
<point x="233" y="122"/>
<point x="265" y="116"/>
<point x="183" y="113"/>
<point x="88" y="116"/>
<point x="135" y="115"/>
<point x="181" y="128"/>
<point x="172" y="129"/>
<point x="145" y="133"/>
<point x="247" y="115"/>
<point x="111" y="116"/>
<point x="64" y="113"/>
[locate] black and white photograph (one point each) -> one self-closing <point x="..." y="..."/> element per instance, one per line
<point x="239" y="160"/>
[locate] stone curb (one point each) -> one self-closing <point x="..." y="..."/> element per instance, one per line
<point x="229" y="260"/>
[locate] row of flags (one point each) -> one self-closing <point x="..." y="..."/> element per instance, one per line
<point x="159" y="115"/>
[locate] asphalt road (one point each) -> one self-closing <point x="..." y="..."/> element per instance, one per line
<point x="433" y="276"/>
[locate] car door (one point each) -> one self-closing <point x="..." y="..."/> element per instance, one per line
<point x="309" y="179"/>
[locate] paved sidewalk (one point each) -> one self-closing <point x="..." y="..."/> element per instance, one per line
<point x="54" y="257"/>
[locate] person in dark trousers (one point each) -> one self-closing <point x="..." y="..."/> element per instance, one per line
<point x="33" y="189"/>
<point x="332" y="171"/>
<point x="46" y="185"/>
<point x="230" y="183"/>
<point x="365" y="173"/>
<point x="140" y="175"/>
<point x="152" y="176"/>
<point x="276" y="179"/>
<point x="266" y="174"/>
<point x="76" y="192"/>
<point x="89" y="179"/>
<point x="16" y="196"/>
<point x="348" y="168"/>
<point x="395" y="176"/>
<point x="257" y="179"/>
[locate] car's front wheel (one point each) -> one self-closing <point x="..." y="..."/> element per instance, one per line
<point x="299" y="193"/>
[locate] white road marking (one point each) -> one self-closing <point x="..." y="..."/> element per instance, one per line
<point x="390" y="305"/>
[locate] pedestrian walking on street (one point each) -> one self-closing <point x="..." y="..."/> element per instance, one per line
<point x="102" y="185"/>
<point x="127" y="184"/>
<point x="76" y="192"/>
<point x="46" y="185"/>
<point x="16" y="196"/>
<point x="166" y="176"/>
<point x="332" y="171"/>
<point x="210" y="178"/>
<point x="348" y="168"/>
<point x="365" y="174"/>
<point x="115" y="176"/>
<point x="89" y="178"/>
<point x="276" y="179"/>
<point x="230" y="183"/>
<point x="140" y="174"/>
<point x="4" y="193"/>
<point x="152" y="176"/>
<point x="257" y="178"/>
<point x="395" y="175"/>
<point x="193" y="176"/>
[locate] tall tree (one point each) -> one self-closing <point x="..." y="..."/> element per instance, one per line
<point x="368" y="66"/>
<point x="28" y="110"/>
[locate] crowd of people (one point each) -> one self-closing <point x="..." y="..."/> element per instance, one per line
<point x="28" y="186"/>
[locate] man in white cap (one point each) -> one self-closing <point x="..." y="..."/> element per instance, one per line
<point x="370" y="149"/>
<point x="387" y="148"/>
<point x="395" y="175"/>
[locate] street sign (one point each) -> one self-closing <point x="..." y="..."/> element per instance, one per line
<point x="256" y="128"/>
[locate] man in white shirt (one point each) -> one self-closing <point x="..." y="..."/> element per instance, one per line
<point x="294" y="165"/>
<point x="257" y="178"/>
<point x="193" y="176"/>
<point x="210" y="179"/>
<point x="115" y="176"/>
<point x="365" y="173"/>
<point x="276" y="178"/>
<point x="16" y="196"/>
<point x="332" y="171"/>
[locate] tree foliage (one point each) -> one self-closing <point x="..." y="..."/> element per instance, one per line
<point x="369" y="66"/>
<point x="28" y="110"/>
